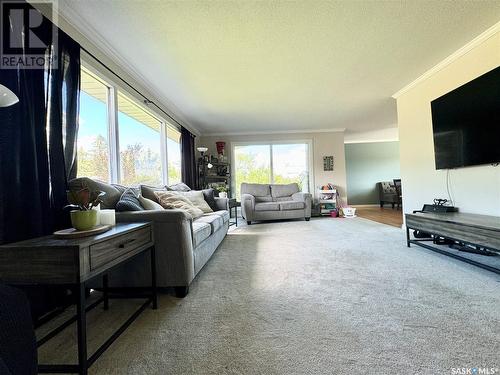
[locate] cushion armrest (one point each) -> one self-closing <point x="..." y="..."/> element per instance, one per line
<point x="173" y="237"/>
<point x="161" y="216"/>
<point x="247" y="206"/>
<point x="222" y="203"/>
<point x="307" y="199"/>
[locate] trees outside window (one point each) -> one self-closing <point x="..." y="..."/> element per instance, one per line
<point x="93" y="150"/>
<point x="271" y="164"/>
<point x="140" y="149"/>
<point x="120" y="140"/>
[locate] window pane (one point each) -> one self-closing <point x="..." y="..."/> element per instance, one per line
<point x="140" y="155"/>
<point x="93" y="152"/>
<point x="174" y="155"/>
<point x="290" y="164"/>
<point x="252" y="164"/>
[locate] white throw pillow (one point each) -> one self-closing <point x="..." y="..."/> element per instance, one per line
<point x="197" y="198"/>
<point x="169" y="199"/>
<point x="148" y="204"/>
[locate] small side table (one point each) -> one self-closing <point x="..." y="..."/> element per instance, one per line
<point x="233" y="203"/>
<point x="74" y="262"/>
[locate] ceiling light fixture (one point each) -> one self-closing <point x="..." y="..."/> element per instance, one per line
<point x="7" y="97"/>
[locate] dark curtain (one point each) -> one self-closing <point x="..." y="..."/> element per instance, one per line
<point x="37" y="142"/>
<point x="62" y="123"/>
<point x="38" y="150"/>
<point x="188" y="159"/>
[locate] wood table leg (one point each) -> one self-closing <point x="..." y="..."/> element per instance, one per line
<point x="105" y="293"/>
<point x="81" y="320"/>
<point x="153" y="278"/>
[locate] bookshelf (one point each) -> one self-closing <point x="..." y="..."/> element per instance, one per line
<point x="327" y="200"/>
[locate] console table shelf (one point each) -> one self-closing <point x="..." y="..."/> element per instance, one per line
<point x="470" y="229"/>
<point x="73" y="263"/>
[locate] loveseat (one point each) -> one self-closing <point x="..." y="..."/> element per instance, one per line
<point x="183" y="245"/>
<point x="274" y="202"/>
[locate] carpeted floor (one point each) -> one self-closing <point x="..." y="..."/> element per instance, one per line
<point x="323" y="297"/>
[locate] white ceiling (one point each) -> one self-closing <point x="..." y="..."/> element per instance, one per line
<point x="240" y="66"/>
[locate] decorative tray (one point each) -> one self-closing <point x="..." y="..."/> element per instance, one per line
<point x="74" y="233"/>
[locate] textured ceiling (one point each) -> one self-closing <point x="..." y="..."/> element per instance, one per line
<point x="240" y="66"/>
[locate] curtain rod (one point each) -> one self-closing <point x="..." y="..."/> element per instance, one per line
<point x="146" y="100"/>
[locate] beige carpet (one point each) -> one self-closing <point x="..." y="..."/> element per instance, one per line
<point x="332" y="296"/>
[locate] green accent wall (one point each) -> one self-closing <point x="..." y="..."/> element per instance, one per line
<point x="367" y="164"/>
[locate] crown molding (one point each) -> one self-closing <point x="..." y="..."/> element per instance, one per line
<point x="450" y="59"/>
<point x="299" y="131"/>
<point x="75" y="20"/>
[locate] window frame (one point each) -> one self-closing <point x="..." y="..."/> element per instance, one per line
<point x="114" y="87"/>
<point x="310" y="160"/>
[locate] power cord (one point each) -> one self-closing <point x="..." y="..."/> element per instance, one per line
<point x="450" y="199"/>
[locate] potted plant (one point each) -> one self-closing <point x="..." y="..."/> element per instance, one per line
<point x="82" y="202"/>
<point x="222" y="191"/>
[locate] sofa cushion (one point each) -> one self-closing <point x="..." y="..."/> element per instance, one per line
<point x="292" y="205"/>
<point x="149" y="204"/>
<point x="284" y="190"/>
<point x="170" y="199"/>
<point x="282" y="199"/>
<point x="149" y="191"/>
<point x="215" y="221"/>
<point x="267" y="206"/>
<point x="197" y="198"/>
<point x="257" y="190"/>
<point x="266" y="198"/>
<point x="129" y="201"/>
<point x="112" y="193"/>
<point x="209" y="195"/>
<point x="201" y="231"/>
<point x="222" y="213"/>
<point x="120" y="188"/>
<point x="180" y="186"/>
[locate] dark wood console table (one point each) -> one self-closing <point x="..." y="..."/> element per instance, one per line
<point x="471" y="229"/>
<point x="73" y="262"/>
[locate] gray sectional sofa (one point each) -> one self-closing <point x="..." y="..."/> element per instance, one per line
<point x="274" y="202"/>
<point x="183" y="245"/>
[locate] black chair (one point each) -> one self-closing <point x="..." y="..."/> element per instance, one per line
<point x="397" y="185"/>
<point x="18" y="352"/>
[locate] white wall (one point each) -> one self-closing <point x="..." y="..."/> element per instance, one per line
<point x="370" y="136"/>
<point x="366" y="165"/>
<point x="475" y="189"/>
<point x="324" y="144"/>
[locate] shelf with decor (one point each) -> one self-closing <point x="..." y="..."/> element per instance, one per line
<point x="327" y="199"/>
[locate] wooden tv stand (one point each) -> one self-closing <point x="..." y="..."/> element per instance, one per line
<point x="471" y="229"/>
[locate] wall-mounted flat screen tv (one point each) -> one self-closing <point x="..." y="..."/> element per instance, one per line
<point x="466" y="123"/>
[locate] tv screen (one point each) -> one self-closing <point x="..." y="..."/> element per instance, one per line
<point x="466" y="123"/>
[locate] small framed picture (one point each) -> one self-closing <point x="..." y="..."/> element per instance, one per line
<point x="328" y="163"/>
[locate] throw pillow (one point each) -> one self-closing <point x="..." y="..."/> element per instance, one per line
<point x="149" y="191"/>
<point x="181" y="186"/>
<point x="170" y="199"/>
<point x="129" y="201"/>
<point x="197" y="199"/>
<point x="148" y="204"/>
<point x="209" y="195"/>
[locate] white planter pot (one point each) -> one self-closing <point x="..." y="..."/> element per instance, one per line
<point x="222" y="194"/>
